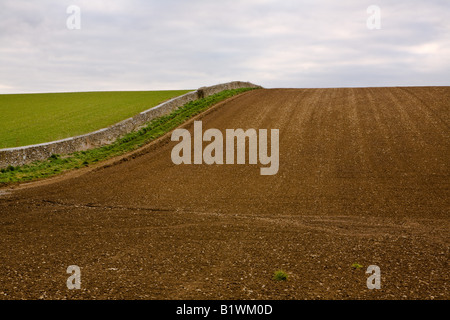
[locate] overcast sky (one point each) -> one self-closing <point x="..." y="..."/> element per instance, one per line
<point x="181" y="44"/>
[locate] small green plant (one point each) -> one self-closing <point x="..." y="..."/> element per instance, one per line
<point x="356" y="266"/>
<point x="280" y="275"/>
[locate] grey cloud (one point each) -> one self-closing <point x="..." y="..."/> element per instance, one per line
<point x="175" y="44"/>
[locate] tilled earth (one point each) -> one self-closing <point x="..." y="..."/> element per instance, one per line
<point x="363" y="178"/>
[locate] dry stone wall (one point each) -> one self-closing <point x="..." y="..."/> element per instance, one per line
<point x="27" y="154"/>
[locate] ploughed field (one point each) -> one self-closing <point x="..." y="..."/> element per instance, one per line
<point x="363" y="178"/>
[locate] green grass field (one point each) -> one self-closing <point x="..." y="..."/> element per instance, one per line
<point x="42" y="117"/>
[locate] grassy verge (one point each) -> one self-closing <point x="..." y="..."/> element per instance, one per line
<point x="57" y="164"/>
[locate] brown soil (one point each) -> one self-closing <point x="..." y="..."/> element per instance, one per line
<point x="364" y="177"/>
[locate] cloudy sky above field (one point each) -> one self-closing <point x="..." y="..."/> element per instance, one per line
<point x="179" y="44"/>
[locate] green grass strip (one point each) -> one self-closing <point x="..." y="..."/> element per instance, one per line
<point x="156" y="128"/>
